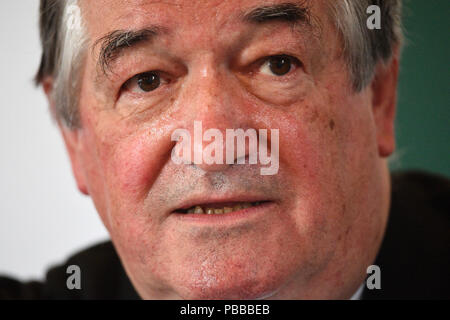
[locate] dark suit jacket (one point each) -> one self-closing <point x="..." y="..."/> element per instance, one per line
<point x="414" y="257"/>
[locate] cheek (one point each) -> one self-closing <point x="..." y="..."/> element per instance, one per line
<point x="131" y="167"/>
<point x="123" y="163"/>
<point x="131" y="170"/>
<point x="319" y="146"/>
<point x="134" y="159"/>
<point x="135" y="164"/>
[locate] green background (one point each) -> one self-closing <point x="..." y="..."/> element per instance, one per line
<point x="423" y="114"/>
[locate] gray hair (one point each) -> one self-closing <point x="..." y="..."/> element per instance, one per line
<point x="365" y="48"/>
<point x="63" y="40"/>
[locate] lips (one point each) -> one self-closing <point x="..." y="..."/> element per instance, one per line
<point x="218" y="208"/>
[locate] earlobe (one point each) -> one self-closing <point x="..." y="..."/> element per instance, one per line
<point x="70" y="137"/>
<point x="72" y="142"/>
<point x="47" y="86"/>
<point x="384" y="100"/>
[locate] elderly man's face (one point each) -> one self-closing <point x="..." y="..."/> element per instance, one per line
<point x="320" y="219"/>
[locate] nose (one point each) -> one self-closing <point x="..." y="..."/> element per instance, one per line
<point x="212" y="110"/>
<point x="209" y="147"/>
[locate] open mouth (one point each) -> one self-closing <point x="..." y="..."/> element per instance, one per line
<point x="219" y="208"/>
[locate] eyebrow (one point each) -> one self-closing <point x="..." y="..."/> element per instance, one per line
<point x="112" y="44"/>
<point x="287" y="12"/>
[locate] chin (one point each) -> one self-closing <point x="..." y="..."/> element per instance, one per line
<point x="245" y="283"/>
<point x="241" y="290"/>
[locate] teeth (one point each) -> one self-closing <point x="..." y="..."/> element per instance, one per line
<point x="227" y="210"/>
<point x="198" y="209"/>
<point x="206" y="210"/>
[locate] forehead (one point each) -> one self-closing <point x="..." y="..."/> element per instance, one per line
<point x="210" y="16"/>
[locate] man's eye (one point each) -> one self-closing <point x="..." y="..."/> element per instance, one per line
<point x="278" y="65"/>
<point x="148" y="81"/>
<point x="144" y="82"/>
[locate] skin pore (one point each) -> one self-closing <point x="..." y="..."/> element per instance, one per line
<point x="329" y="202"/>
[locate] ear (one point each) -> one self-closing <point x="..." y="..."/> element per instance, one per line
<point x="384" y="100"/>
<point x="71" y="139"/>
